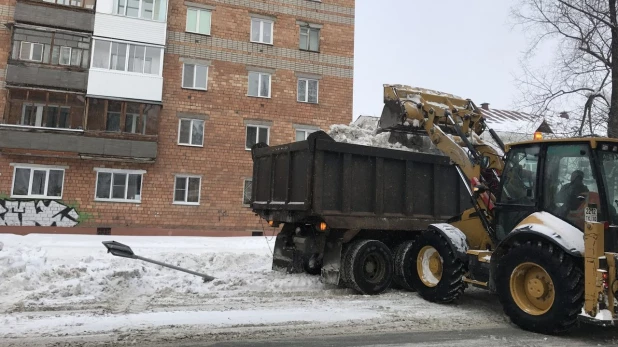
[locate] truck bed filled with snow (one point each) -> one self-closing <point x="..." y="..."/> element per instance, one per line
<point x="66" y="287"/>
<point x="364" y="131"/>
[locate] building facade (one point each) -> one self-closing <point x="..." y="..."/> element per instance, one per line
<point x="136" y="116"/>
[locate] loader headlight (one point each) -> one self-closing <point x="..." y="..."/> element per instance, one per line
<point x="322" y="226"/>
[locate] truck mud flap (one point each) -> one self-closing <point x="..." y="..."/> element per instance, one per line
<point x="285" y="256"/>
<point x="331" y="268"/>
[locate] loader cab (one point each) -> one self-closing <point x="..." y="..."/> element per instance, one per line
<point x="573" y="180"/>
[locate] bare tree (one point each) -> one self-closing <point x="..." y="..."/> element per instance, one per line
<point x="583" y="77"/>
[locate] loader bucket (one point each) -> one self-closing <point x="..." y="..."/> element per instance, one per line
<point x="391" y="116"/>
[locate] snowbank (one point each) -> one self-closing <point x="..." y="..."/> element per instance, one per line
<point x="62" y="271"/>
<point x="53" y="286"/>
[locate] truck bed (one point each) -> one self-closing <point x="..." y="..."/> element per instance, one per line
<point x="352" y="186"/>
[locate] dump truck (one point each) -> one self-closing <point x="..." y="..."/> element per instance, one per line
<point x="534" y="222"/>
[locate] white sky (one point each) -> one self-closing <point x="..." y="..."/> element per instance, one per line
<point x="467" y="48"/>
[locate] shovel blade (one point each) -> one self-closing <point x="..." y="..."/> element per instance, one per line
<point x="118" y="249"/>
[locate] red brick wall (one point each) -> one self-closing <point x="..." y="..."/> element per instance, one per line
<point x="223" y="161"/>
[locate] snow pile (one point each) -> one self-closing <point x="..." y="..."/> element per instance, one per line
<point x="35" y="273"/>
<point x="54" y="287"/>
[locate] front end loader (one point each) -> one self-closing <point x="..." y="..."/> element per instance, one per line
<point x="544" y="237"/>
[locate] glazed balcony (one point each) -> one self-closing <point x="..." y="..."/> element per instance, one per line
<point x="68" y="14"/>
<point x="44" y="123"/>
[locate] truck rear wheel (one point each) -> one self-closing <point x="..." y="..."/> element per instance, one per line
<point x="540" y="287"/>
<point x="312" y="264"/>
<point x="368" y="267"/>
<point x="435" y="272"/>
<point x="403" y="270"/>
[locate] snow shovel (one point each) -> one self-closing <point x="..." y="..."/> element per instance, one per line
<point x="119" y="250"/>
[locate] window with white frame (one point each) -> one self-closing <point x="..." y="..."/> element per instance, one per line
<point x="256" y="134"/>
<point x="194" y="76"/>
<point x="308" y="90"/>
<point x="259" y="84"/>
<point x="309" y="38"/>
<point x="119" y="185"/>
<point x="302" y="134"/>
<point x="37" y="182"/>
<point x="31" y="51"/>
<point x="187" y="189"/>
<point x="261" y="30"/>
<point x="198" y="21"/>
<point x="191" y="132"/>
<point x="247" y="191"/>
<point x="122" y="56"/>
<point x="144" y="9"/>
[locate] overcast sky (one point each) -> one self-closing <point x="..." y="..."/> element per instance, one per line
<point x="467" y="48"/>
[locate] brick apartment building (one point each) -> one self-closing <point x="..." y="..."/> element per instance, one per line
<point x="137" y="115"/>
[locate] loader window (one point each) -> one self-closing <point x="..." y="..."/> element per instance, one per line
<point x="520" y="176"/>
<point x="569" y="184"/>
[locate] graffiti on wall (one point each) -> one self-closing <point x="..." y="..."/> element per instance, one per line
<point x="37" y="213"/>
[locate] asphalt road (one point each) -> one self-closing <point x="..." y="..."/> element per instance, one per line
<point x="499" y="336"/>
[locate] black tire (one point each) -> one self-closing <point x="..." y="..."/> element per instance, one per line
<point x="313" y="264"/>
<point x="568" y="290"/>
<point x="451" y="285"/>
<point x="373" y="255"/>
<point x="403" y="274"/>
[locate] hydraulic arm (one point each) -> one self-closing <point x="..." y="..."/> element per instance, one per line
<point x="453" y="124"/>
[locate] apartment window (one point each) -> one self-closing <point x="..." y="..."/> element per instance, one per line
<point x="65" y="56"/>
<point x="259" y="84"/>
<point x="119" y="185"/>
<point x="198" y="21"/>
<point x="123" y="116"/>
<point x="31" y="51"/>
<point x="37" y="108"/>
<point x="302" y="134"/>
<point x="48" y="47"/>
<point x="120" y="56"/>
<point x="309" y="38"/>
<point x="76" y="3"/>
<point x="37" y="182"/>
<point x="261" y="30"/>
<point x="194" y="76"/>
<point x="307" y="90"/>
<point x="187" y="190"/>
<point x="144" y="9"/>
<point x="256" y="134"/>
<point x="247" y="191"/>
<point x="191" y="132"/>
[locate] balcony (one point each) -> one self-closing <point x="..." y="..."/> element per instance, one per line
<point x="48" y="58"/>
<point x="115" y="84"/>
<point x="68" y="14"/>
<point x="136" y="20"/>
<point x="24" y="74"/>
<point x="44" y="123"/>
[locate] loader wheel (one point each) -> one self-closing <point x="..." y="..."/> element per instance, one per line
<point x="434" y="270"/>
<point x="368" y="267"/>
<point x="403" y="272"/>
<point x="540" y="287"/>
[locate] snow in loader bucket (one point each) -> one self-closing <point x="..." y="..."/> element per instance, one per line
<point x="121" y="250"/>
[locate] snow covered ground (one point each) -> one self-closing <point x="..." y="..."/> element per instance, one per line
<point x="59" y="288"/>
